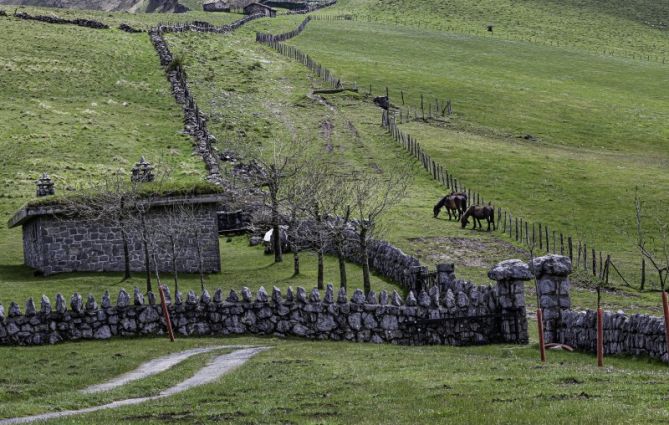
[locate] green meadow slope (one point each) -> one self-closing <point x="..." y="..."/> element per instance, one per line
<point x="597" y="123"/>
<point x="622" y="27"/>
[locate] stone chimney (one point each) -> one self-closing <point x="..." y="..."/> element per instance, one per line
<point x="142" y="172"/>
<point x="45" y="186"/>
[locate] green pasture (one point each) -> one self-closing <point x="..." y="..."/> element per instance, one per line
<point x="309" y="382"/>
<point x="596" y="124"/>
<point x="636" y="28"/>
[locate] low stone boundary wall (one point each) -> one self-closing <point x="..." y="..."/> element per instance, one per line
<point x="312" y="8"/>
<point x="637" y="334"/>
<point x="89" y="23"/>
<point x="463" y="314"/>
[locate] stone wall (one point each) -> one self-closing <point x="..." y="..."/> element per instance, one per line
<point x="56" y="245"/>
<point x="463" y="314"/>
<point x="637" y="334"/>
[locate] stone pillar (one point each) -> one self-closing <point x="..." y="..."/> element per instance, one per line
<point x="420" y="274"/>
<point x="511" y="276"/>
<point x="552" y="273"/>
<point x="445" y="276"/>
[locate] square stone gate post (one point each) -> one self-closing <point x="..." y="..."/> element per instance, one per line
<point x="552" y="273"/>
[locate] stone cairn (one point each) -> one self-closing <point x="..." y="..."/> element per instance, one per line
<point x="462" y="314"/>
<point x="142" y="172"/>
<point x="45" y="186"/>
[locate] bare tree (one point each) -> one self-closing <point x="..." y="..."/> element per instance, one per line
<point x="371" y="196"/>
<point x="658" y="256"/>
<point x="270" y="171"/>
<point x="110" y="203"/>
<point x="337" y="225"/>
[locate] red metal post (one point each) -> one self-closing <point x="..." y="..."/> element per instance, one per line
<point x="600" y="338"/>
<point x="540" y="325"/>
<point x="166" y="313"/>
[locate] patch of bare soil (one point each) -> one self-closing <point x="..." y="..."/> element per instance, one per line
<point x="327" y="127"/>
<point x="468" y="252"/>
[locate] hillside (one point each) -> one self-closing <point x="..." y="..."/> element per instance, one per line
<point x="104" y="5"/>
<point x="636" y="27"/>
<point x="84" y="104"/>
<point x="559" y="135"/>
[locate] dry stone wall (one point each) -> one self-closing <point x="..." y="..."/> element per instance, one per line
<point x="89" y="23"/>
<point x="637" y="334"/>
<point x="463" y="314"/>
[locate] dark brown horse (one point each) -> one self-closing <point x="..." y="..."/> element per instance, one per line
<point x="477" y="213"/>
<point x="455" y="202"/>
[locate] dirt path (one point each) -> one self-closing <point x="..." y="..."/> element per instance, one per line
<point x="155" y="366"/>
<point x="211" y="372"/>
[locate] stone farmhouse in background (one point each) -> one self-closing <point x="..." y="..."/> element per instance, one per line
<point x="55" y="242"/>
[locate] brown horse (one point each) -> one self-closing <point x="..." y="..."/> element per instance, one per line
<point x="456" y="202"/>
<point x="477" y="213"/>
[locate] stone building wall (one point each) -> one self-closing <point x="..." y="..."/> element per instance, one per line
<point x="56" y="245"/>
<point x="463" y="314"/>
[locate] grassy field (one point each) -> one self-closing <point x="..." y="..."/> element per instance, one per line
<point x="596" y="122"/>
<point x="69" y="114"/>
<point x="335" y="382"/>
<point x="624" y="28"/>
<point x="72" y="114"/>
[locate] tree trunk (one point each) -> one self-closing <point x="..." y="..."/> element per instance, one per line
<point x="174" y="264"/>
<point x="320" y="269"/>
<point x="126" y="256"/>
<point x="147" y="263"/>
<point x="296" y="262"/>
<point x="200" y="266"/>
<point x="365" y="261"/>
<point x="276" y="231"/>
<point x="126" y="250"/>
<point x="342" y="270"/>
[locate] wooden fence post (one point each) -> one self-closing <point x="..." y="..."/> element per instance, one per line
<point x="571" y="249"/>
<point x="585" y="256"/>
<point x="527" y="235"/>
<point x="541" y="238"/>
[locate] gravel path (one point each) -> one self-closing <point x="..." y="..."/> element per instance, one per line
<point x="211" y="372"/>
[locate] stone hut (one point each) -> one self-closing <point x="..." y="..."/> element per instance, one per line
<point x="257" y="8"/>
<point x="216" y="6"/>
<point x="58" y="239"/>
